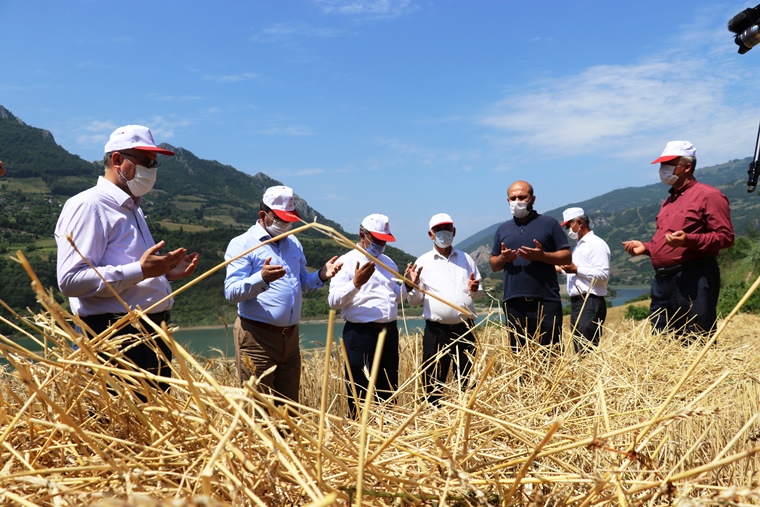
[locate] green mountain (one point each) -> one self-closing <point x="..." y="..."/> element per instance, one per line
<point x="629" y="213"/>
<point x="197" y="204"/>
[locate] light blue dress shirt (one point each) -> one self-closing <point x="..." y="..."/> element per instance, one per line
<point x="278" y="303"/>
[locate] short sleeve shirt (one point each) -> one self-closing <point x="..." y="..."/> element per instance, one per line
<point x="524" y="278"/>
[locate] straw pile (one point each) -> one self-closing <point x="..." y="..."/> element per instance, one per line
<point x="642" y="421"/>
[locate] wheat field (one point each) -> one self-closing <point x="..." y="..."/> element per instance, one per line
<point x="641" y="421"/>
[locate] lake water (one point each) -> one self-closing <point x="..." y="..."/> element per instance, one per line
<point x="314" y="335"/>
<point x="205" y="341"/>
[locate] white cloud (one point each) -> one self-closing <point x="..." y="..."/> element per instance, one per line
<point x="617" y="108"/>
<point x="94" y="132"/>
<point x="691" y="90"/>
<point x="309" y="172"/>
<point x="293" y="130"/>
<point x="232" y="78"/>
<point x="292" y="32"/>
<point x="367" y="8"/>
<point x="177" y="98"/>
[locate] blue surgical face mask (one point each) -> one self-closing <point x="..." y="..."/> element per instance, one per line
<point x="443" y="239"/>
<point x="375" y="250"/>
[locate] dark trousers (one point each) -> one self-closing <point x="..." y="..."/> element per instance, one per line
<point x="442" y="344"/>
<point x="587" y="324"/>
<point x="539" y="320"/>
<point x="144" y="355"/>
<point x="261" y="346"/>
<point x="360" y="341"/>
<point x="685" y="302"/>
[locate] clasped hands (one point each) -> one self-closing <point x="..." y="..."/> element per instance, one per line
<point x="532" y="254"/>
<point x="176" y="264"/>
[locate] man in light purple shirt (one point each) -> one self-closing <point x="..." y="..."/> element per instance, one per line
<point x="108" y="263"/>
<point x="266" y="283"/>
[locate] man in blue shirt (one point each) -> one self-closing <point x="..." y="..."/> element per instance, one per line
<point x="527" y="248"/>
<point x="267" y="284"/>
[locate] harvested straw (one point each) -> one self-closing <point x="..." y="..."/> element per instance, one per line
<point x="640" y="421"/>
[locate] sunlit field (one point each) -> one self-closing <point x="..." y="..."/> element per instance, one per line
<point x="643" y="420"/>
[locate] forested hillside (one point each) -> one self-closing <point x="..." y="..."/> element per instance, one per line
<point x="197" y="204"/>
<point x="629" y="213"/>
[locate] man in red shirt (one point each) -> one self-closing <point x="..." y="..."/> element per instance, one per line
<point x="693" y="226"/>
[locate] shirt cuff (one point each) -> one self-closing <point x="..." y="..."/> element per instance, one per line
<point x="133" y="272"/>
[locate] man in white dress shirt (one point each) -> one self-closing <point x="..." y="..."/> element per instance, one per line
<point x="367" y="296"/>
<point x="107" y="226"/>
<point x="453" y="276"/>
<point x="587" y="278"/>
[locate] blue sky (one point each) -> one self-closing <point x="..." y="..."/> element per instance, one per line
<point x="402" y="107"/>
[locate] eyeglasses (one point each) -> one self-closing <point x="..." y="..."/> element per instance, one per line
<point x="275" y="218"/>
<point x="143" y="161"/>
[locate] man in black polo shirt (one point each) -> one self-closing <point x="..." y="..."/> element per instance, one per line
<point x="527" y="248"/>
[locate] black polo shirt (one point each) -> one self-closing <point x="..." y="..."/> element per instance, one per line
<point x="524" y="278"/>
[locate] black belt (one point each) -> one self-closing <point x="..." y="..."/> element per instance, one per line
<point x="468" y="324"/>
<point x="581" y="297"/>
<point x="677" y="268"/>
<point x="103" y="321"/>
<point x="270" y="327"/>
<point x="373" y="325"/>
<point x="158" y="317"/>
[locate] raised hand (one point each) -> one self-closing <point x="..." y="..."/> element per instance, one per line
<point x="271" y="272"/>
<point x="363" y="273"/>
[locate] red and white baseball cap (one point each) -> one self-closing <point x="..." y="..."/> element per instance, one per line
<point x="675" y="149"/>
<point x="280" y="200"/>
<point x="378" y="225"/>
<point x="133" y="137"/>
<point x="570" y="214"/>
<point x="440" y="219"/>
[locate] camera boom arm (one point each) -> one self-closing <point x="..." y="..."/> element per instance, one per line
<point x="754" y="167"/>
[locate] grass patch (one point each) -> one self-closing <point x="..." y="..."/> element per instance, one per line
<point x="28" y="185"/>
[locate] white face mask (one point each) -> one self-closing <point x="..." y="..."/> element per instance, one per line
<point x="572" y="234"/>
<point x="444" y="238"/>
<point x="278" y="227"/>
<point x="519" y="208"/>
<point x="143" y="181"/>
<point x="667" y="176"/>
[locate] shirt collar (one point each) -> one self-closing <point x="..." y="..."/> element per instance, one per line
<point x="588" y="234"/>
<point x="522" y="221"/>
<point x="675" y="192"/>
<point x="118" y="195"/>
<point x="438" y="254"/>
<point x="259" y="232"/>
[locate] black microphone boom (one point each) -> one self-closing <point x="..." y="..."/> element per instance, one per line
<point x="752" y="172"/>
<point x="742" y="21"/>
<point x="745" y="26"/>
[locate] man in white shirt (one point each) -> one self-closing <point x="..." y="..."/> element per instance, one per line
<point x="587" y="278"/>
<point x="107" y="226"/>
<point x="451" y="275"/>
<point x="367" y="296"/>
